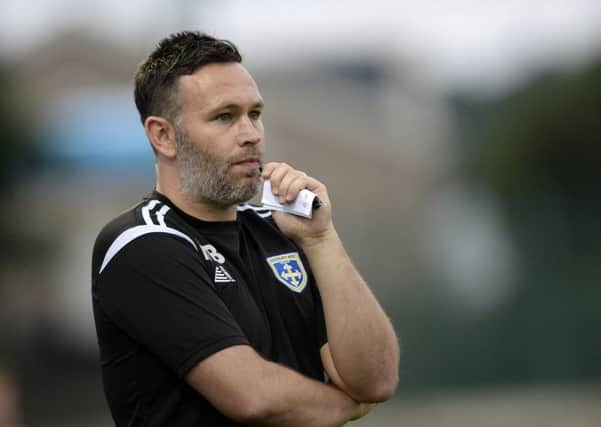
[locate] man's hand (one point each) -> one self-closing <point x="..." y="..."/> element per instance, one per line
<point x="363" y="409"/>
<point x="286" y="183"/>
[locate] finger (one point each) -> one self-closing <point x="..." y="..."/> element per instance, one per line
<point x="291" y="184"/>
<point x="317" y="187"/>
<point x="366" y="408"/>
<point x="276" y="176"/>
<point x="268" y="168"/>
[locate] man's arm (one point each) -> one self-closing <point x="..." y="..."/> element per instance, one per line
<point x="362" y="345"/>
<point x="252" y="390"/>
<point x="361" y="341"/>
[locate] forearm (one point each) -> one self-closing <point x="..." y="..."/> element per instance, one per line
<point x="362" y="341"/>
<point x="251" y="390"/>
<point x="294" y="400"/>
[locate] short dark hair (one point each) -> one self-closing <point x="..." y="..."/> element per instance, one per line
<point x="176" y="55"/>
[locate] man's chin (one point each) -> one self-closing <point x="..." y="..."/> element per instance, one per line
<point x="242" y="195"/>
<point x="250" y="193"/>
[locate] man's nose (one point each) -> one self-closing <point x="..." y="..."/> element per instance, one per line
<point x="250" y="132"/>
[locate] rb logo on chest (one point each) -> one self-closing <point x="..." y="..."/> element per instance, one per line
<point x="210" y="252"/>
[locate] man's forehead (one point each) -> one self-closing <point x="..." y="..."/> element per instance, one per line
<point x="216" y="83"/>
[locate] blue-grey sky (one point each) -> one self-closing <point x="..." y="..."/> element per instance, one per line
<point x="457" y="42"/>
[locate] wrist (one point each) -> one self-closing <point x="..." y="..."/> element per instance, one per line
<point x="348" y="409"/>
<point x="316" y="241"/>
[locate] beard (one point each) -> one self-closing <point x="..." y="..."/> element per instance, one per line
<point x="205" y="177"/>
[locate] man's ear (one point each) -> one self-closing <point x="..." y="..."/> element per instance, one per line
<point x="161" y="134"/>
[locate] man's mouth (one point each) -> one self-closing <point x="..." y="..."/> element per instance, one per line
<point x="250" y="162"/>
<point x="250" y="166"/>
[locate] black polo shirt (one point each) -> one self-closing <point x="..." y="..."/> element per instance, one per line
<point x="169" y="290"/>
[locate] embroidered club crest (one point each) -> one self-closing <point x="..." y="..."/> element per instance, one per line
<point x="289" y="269"/>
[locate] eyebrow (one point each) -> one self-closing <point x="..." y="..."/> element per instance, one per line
<point x="258" y="104"/>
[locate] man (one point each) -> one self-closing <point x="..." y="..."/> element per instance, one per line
<point x="211" y="313"/>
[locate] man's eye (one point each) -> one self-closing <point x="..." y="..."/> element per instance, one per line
<point x="255" y="115"/>
<point x="224" y="117"/>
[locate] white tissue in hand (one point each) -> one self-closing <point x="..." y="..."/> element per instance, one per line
<point x="302" y="206"/>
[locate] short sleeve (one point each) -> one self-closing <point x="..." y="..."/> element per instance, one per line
<point x="157" y="291"/>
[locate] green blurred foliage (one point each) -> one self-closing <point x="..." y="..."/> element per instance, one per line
<point x="537" y="151"/>
<point x="541" y="159"/>
<point x="544" y="139"/>
<point x="538" y="148"/>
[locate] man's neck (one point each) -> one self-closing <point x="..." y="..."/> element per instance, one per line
<point x="204" y="210"/>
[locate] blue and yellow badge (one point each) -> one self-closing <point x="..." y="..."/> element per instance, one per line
<point x="289" y="269"/>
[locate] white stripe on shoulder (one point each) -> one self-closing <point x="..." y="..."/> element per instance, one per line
<point x="133" y="233"/>
<point x="146" y="211"/>
<point x="259" y="210"/>
<point x="161" y="215"/>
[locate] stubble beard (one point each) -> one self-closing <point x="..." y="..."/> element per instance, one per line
<point x="205" y="177"/>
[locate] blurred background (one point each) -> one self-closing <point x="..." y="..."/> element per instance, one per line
<point x="460" y="141"/>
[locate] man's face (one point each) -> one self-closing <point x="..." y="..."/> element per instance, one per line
<point x="219" y="134"/>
